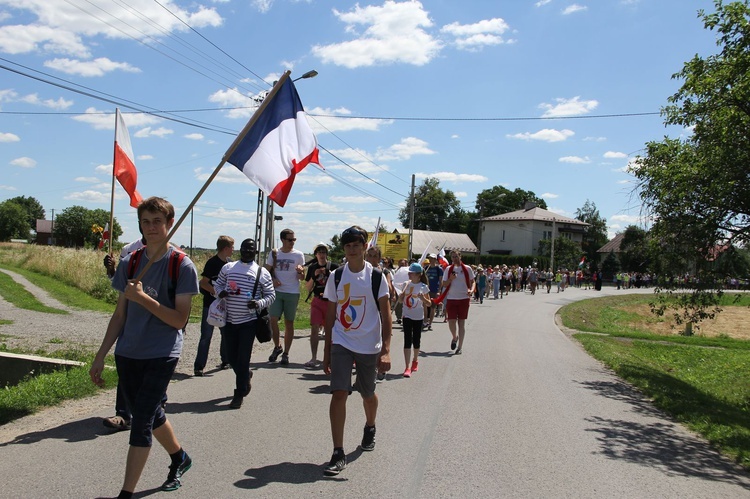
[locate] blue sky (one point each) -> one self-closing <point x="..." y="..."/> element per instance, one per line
<point x="509" y="93"/>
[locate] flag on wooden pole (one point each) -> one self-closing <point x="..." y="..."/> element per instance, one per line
<point x="124" y="162"/>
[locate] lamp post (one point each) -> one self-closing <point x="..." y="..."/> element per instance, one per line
<point x="310" y="74"/>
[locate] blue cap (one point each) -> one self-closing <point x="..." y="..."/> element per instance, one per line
<point x="415" y="268"/>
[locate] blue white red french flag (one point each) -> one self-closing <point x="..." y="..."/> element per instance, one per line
<point x="278" y="146"/>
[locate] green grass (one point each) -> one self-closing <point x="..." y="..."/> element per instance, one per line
<point x="701" y="382"/>
<point x="5" y="321"/>
<point x="46" y="390"/>
<point x="17" y="295"/>
<point x="64" y="293"/>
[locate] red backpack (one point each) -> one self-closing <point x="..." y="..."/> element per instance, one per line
<point x="173" y="268"/>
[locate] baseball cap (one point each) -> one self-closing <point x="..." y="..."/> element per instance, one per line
<point x="415" y="268"/>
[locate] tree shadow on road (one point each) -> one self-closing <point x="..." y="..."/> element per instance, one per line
<point x="291" y="473"/>
<point x="659" y="444"/>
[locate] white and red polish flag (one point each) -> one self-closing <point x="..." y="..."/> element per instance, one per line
<point x="278" y="146"/>
<point x="124" y="161"/>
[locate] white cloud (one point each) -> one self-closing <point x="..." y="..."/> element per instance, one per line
<point x="394" y="33"/>
<point x="626" y="219"/>
<point x="542" y="2"/>
<point x="228" y="175"/>
<point x="104" y="168"/>
<point x="105" y="120"/>
<point x="616" y="155"/>
<point x="326" y="120"/>
<point x="144" y="157"/>
<point x="160" y="132"/>
<point x="228" y="214"/>
<point x="243" y="106"/>
<point x="23" y="162"/>
<point x="546" y="135"/>
<point x="623" y="182"/>
<point x="574" y="159"/>
<point x="595" y="139"/>
<point x="568" y="107"/>
<point x="194" y="136"/>
<point x="61" y="27"/>
<point x="89" y="180"/>
<point x="95" y="67"/>
<point x="7" y="188"/>
<point x="408" y="147"/>
<point x="473" y="37"/>
<point x="574" y="8"/>
<point x="9" y="137"/>
<point x="263" y="5"/>
<point x="12" y="96"/>
<point x="312" y="206"/>
<point x="90" y="196"/>
<point x="454" y="136"/>
<point x="453" y="177"/>
<point x="60" y="103"/>
<point x="461" y="194"/>
<point x="549" y="195"/>
<point x="353" y="199"/>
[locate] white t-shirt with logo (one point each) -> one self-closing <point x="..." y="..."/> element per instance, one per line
<point x="357" y="326"/>
<point x="458" y="289"/>
<point x="285" y="270"/>
<point x="413" y="306"/>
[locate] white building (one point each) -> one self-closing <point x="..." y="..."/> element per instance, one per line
<point x="519" y="232"/>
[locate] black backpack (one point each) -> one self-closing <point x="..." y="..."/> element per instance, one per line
<point x="377" y="278"/>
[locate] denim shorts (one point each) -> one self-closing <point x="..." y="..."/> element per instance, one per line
<point x="342" y="360"/>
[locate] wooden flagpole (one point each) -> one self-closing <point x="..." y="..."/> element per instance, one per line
<point x="112" y="197"/>
<point x="253" y="119"/>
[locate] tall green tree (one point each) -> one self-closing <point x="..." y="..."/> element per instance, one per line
<point x="697" y="187"/>
<point x="498" y="200"/>
<point x="634" y="250"/>
<point x="435" y="209"/>
<point x="34" y="209"/>
<point x="596" y="233"/>
<point x="567" y="252"/>
<point x="13" y="221"/>
<point x="73" y="226"/>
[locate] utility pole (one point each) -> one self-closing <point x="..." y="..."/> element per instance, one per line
<point x="481" y="226"/>
<point x="552" y="259"/>
<point x="411" y="219"/>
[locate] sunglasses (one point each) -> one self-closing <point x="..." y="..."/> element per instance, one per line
<point x="290" y="239"/>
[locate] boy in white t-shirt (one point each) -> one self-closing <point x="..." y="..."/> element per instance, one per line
<point x="358" y="329"/>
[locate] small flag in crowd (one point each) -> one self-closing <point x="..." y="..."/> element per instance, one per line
<point x="124" y="162"/>
<point x="374" y="241"/>
<point x="583" y="260"/>
<point x="105" y="236"/>
<point x="441" y="257"/>
<point x="278" y="146"/>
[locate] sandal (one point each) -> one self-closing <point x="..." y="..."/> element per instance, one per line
<point x="311" y="364"/>
<point x="117" y="422"/>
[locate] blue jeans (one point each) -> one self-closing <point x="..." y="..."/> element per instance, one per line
<point x="207" y="332"/>
<point x="239" y="341"/>
<point x="496" y="288"/>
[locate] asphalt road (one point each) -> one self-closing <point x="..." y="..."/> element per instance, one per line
<point x="522" y="412"/>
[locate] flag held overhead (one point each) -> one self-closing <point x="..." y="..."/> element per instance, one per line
<point x="124" y="161"/>
<point x="278" y="145"/>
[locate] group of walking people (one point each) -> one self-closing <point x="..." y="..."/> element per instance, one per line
<point x="351" y="302"/>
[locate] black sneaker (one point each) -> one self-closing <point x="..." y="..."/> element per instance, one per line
<point x="284" y="359"/>
<point x="236" y="402"/>
<point x="223" y="365"/>
<point x="175" y="473"/>
<point x="337" y="464"/>
<point x="368" y="438"/>
<point x="198" y="372"/>
<point x="275" y="354"/>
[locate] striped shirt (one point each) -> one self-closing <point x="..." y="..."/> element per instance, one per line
<point x="238" y="279"/>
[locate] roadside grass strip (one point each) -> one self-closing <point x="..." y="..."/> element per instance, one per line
<point x="46" y="390"/>
<point x="18" y="296"/>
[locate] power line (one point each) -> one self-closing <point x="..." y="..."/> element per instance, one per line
<point x="523" y="118"/>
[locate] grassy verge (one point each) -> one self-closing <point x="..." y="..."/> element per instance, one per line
<point x="47" y="390"/>
<point x="701" y="382"/>
<point x="17" y="295"/>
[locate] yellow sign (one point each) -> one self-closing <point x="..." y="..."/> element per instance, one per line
<point x="394" y="246"/>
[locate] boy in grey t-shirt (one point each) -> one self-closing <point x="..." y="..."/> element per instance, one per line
<point x="147" y="325"/>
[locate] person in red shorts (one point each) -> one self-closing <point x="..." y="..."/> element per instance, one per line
<point x="458" y="285"/>
<point x="315" y="283"/>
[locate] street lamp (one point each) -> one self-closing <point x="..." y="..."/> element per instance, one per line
<point x="310" y="74"/>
